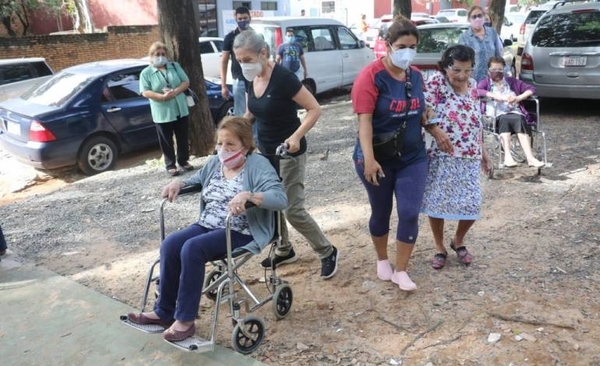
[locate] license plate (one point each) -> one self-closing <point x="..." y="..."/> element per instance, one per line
<point x="570" y="61"/>
<point x="13" y="128"/>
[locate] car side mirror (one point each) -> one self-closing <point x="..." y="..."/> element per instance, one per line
<point x="508" y="43"/>
<point x="361" y="43"/>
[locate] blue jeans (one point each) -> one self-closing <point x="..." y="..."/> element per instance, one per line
<point x="239" y="97"/>
<point x="183" y="258"/>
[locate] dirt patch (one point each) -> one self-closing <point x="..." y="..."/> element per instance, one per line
<point x="534" y="283"/>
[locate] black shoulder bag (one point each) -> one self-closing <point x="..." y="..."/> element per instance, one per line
<point x="387" y="146"/>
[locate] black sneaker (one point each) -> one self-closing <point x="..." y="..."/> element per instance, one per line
<point x="329" y="265"/>
<point x="290" y="258"/>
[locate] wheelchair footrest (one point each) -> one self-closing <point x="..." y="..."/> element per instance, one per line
<point x="146" y="328"/>
<point x="194" y="344"/>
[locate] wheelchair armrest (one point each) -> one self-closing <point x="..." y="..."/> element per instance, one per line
<point x="190" y="189"/>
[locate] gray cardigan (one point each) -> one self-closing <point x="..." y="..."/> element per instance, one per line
<point x="259" y="177"/>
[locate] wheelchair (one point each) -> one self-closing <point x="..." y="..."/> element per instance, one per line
<point x="534" y="130"/>
<point x="223" y="284"/>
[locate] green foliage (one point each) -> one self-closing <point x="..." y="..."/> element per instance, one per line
<point x="467" y="3"/>
<point x="20" y="7"/>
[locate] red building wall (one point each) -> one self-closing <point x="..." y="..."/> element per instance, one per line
<point x="104" y="13"/>
<point x="383" y="7"/>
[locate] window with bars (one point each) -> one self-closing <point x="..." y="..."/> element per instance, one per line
<point x="237" y="4"/>
<point x="327" y="7"/>
<point x="268" y="5"/>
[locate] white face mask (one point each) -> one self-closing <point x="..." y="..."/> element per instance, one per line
<point x="159" y="61"/>
<point x="251" y="70"/>
<point x="231" y="159"/>
<point x="403" y="57"/>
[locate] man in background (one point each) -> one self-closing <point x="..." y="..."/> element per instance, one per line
<point x="290" y="55"/>
<point x="242" y="18"/>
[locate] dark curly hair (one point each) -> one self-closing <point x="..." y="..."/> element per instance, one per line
<point x="458" y="52"/>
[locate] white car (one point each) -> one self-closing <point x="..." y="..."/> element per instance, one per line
<point x="210" y="53"/>
<point x="454" y="15"/>
<point x="512" y="25"/>
<point x="334" y="55"/>
<point x="18" y="75"/>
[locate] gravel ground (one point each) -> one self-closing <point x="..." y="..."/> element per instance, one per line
<point x="530" y="298"/>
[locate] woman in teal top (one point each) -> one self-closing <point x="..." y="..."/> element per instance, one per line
<point x="164" y="83"/>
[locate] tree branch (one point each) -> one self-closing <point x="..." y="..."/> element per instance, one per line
<point x="519" y="319"/>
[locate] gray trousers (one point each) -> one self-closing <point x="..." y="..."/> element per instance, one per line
<point x="293" y="174"/>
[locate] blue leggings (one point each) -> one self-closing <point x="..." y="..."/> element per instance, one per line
<point x="183" y="258"/>
<point x="407" y="182"/>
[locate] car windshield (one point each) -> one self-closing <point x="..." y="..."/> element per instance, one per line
<point x="59" y="89"/>
<point x="578" y="29"/>
<point x="437" y="40"/>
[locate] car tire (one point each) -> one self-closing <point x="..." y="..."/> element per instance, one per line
<point x="310" y="85"/>
<point x="98" y="154"/>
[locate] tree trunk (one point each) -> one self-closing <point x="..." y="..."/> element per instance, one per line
<point x="496" y="12"/>
<point x="403" y="7"/>
<point x="84" y="25"/>
<point x="8" y="25"/>
<point x="178" y="22"/>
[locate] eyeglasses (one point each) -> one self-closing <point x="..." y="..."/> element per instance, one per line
<point x="460" y="71"/>
<point x="496" y="70"/>
<point x="477" y="16"/>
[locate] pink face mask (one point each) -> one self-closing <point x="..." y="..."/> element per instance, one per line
<point x="231" y="159"/>
<point x="477" y="23"/>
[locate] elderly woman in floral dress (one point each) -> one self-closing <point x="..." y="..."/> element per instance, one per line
<point x="453" y="189"/>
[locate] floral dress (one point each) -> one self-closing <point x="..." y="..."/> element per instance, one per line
<point x="453" y="189"/>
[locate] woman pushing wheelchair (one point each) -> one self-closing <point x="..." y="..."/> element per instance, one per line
<point x="231" y="179"/>
<point x="511" y="116"/>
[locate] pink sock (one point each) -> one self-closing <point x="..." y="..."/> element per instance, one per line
<point x="384" y="270"/>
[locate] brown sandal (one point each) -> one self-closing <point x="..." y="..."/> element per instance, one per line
<point x="173" y="172"/>
<point x="462" y="253"/>
<point x="439" y="260"/>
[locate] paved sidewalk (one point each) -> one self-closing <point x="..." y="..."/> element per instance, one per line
<point x="50" y="320"/>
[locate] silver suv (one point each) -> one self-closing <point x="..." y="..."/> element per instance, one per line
<point x="562" y="56"/>
<point x="18" y="75"/>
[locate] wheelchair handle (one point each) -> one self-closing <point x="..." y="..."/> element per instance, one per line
<point x="282" y="150"/>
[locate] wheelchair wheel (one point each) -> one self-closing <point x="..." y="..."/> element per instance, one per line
<point x="211" y="277"/>
<point x="246" y="338"/>
<point x="282" y="301"/>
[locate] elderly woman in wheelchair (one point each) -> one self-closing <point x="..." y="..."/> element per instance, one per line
<point x="232" y="180"/>
<point x="506" y="94"/>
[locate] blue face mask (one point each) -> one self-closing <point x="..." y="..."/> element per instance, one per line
<point x="243" y="25"/>
<point x="291" y="39"/>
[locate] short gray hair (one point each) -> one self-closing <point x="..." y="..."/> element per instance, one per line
<point x="251" y="41"/>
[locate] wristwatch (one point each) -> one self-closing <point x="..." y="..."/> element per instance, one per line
<point x="432" y="122"/>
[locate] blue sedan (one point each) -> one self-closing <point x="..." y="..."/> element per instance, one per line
<point x="86" y="115"/>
